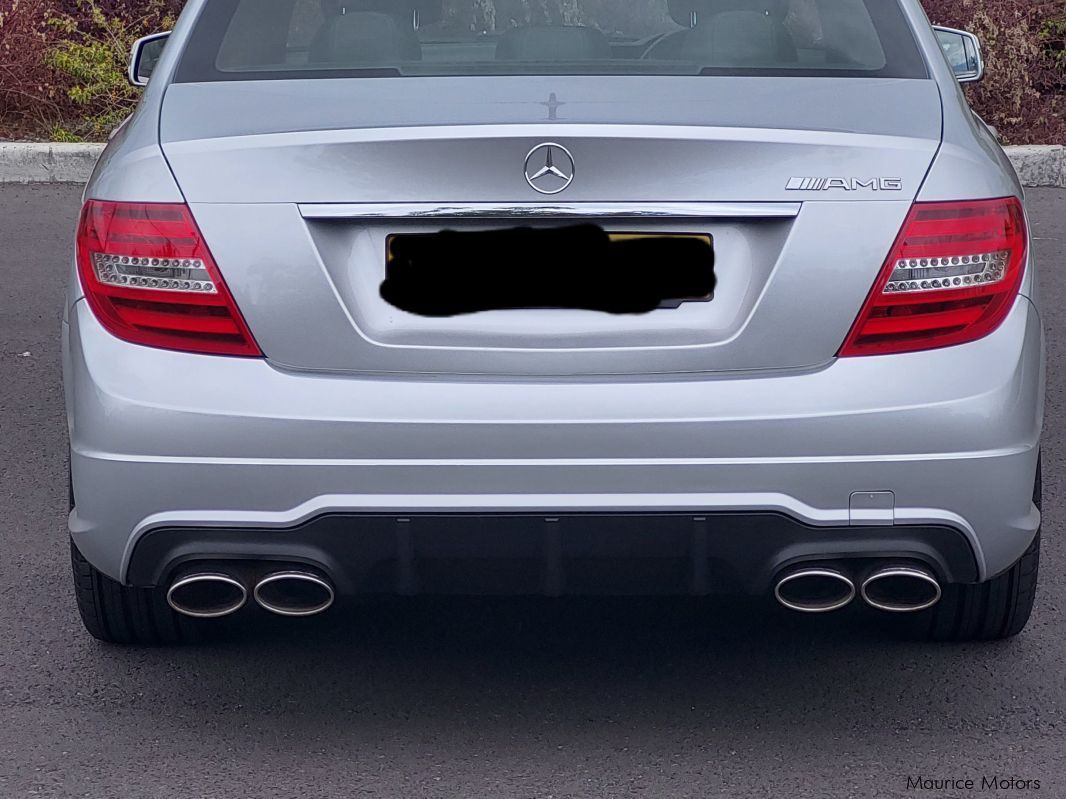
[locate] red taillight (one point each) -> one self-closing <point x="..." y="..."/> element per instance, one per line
<point x="951" y="278"/>
<point x="150" y="279"/>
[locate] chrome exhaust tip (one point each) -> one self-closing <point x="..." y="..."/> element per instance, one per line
<point x="901" y="589"/>
<point x="815" y="590"/>
<point x="207" y="595"/>
<point x="294" y="593"/>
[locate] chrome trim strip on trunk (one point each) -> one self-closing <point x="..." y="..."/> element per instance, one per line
<point x="657" y="210"/>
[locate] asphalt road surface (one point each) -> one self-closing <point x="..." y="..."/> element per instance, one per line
<point x="489" y="698"/>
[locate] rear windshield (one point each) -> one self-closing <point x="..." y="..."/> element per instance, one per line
<point x="269" y="39"/>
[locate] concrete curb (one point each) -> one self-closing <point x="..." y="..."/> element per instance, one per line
<point x="29" y="162"/>
<point x="1040" y="165"/>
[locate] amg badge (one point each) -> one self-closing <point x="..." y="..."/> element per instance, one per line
<point x="845" y="184"/>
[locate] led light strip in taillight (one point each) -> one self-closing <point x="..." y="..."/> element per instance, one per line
<point x="952" y="277"/>
<point x="150" y="279"/>
<point x="161" y="274"/>
<point x="932" y="274"/>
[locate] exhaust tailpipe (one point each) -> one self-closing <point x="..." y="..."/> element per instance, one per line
<point x="815" y="590"/>
<point x="294" y="593"/>
<point x="901" y="589"/>
<point x="207" y="595"/>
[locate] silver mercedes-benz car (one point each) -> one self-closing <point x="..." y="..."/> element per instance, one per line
<point x="568" y="297"/>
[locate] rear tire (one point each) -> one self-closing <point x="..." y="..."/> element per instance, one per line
<point x="997" y="609"/>
<point x="116" y="614"/>
<point x="119" y="614"/>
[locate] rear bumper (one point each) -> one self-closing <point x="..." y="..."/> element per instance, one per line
<point x="166" y="441"/>
<point x="618" y="553"/>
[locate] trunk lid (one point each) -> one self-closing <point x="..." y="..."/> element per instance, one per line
<point x="298" y="184"/>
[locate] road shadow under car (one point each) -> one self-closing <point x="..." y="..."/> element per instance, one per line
<point x="571" y="624"/>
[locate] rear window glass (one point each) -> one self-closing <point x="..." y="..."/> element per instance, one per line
<point x="263" y="39"/>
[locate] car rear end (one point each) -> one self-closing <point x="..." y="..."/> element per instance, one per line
<point x="858" y="403"/>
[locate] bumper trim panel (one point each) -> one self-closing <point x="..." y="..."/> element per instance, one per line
<point x="545" y="554"/>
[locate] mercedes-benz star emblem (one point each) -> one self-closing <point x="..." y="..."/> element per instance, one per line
<point x="549" y="168"/>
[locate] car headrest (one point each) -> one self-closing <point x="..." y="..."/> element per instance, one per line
<point x="684" y="12"/>
<point x="358" y="37"/>
<point x="736" y="38"/>
<point x="429" y="11"/>
<point x="557" y="43"/>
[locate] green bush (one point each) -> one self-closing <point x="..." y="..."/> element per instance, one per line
<point x="63" y="62"/>
<point x="1024" y="90"/>
<point x="93" y="52"/>
<point x="1053" y="42"/>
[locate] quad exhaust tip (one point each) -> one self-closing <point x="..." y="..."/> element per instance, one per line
<point x="815" y="590"/>
<point x="207" y="595"/>
<point x="901" y="589"/>
<point x="294" y="593"/>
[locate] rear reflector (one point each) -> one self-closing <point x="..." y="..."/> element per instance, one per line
<point x="150" y="279"/>
<point x="951" y="278"/>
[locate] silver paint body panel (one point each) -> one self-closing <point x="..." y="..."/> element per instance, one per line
<point x="739" y="404"/>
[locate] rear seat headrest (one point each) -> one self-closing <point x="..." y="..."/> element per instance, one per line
<point x="685" y="12"/>
<point x="738" y="38"/>
<point x="365" y="37"/>
<point x="556" y="43"/>
<point x="429" y="11"/>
